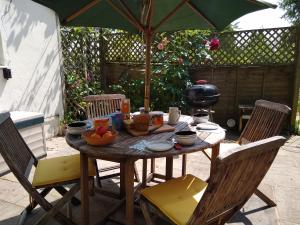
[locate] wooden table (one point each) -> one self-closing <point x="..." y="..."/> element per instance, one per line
<point x="120" y="150"/>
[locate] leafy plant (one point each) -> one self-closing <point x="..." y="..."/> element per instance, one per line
<point x="292" y="10"/>
<point x="176" y="52"/>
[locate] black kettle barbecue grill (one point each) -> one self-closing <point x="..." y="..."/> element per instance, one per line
<point x="201" y="96"/>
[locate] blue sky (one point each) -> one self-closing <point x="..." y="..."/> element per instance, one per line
<point x="267" y="18"/>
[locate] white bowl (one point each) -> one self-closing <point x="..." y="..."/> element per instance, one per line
<point x="200" y="118"/>
<point x="186" y="137"/>
<point x="76" y="127"/>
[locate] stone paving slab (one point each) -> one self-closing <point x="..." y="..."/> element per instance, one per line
<point x="282" y="183"/>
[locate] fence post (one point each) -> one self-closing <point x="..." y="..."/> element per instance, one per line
<point x="296" y="80"/>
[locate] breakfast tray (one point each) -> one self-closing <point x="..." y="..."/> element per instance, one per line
<point x="154" y="129"/>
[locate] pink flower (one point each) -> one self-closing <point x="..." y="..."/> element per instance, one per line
<point x="160" y="46"/>
<point x="214" y="44"/>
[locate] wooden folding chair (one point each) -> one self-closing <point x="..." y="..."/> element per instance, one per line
<point x="267" y="120"/>
<point x="192" y="201"/>
<point x="48" y="174"/>
<point x="101" y="105"/>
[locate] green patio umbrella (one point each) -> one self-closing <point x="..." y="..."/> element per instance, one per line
<point x="151" y="16"/>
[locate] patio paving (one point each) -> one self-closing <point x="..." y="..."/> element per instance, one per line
<point x="282" y="184"/>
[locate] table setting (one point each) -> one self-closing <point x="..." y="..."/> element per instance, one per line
<point x="129" y="148"/>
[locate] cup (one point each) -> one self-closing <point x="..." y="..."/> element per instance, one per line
<point x="117" y="120"/>
<point x="125" y="106"/>
<point x="157" y="118"/>
<point x="101" y="122"/>
<point x="174" y="114"/>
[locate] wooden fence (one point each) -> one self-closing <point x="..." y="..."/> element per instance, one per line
<point x="249" y="65"/>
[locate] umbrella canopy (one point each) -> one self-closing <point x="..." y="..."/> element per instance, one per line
<point x="150" y="16"/>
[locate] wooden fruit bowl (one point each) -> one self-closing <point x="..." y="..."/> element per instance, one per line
<point x="98" y="140"/>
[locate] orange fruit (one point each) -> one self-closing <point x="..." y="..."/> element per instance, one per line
<point x="108" y="134"/>
<point x="95" y="135"/>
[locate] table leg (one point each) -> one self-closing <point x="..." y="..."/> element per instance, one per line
<point x="144" y="175"/>
<point x="84" y="185"/>
<point x="129" y="187"/>
<point x="214" y="154"/>
<point x="152" y="168"/>
<point x="122" y="180"/>
<point x="169" y="168"/>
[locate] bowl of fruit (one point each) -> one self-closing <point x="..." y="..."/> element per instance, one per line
<point x="100" y="136"/>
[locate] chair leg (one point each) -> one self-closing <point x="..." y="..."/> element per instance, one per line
<point x="61" y="190"/>
<point x="69" y="210"/>
<point x="99" y="183"/>
<point x="152" y="169"/>
<point x="54" y="211"/>
<point x="265" y="198"/>
<point x="146" y="213"/>
<point x="183" y="167"/>
<point x="136" y="174"/>
<point x="205" y="153"/>
<point x="33" y="204"/>
<point x="22" y="217"/>
<point x="97" y="173"/>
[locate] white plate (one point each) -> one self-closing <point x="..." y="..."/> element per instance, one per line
<point x="159" y="146"/>
<point x="207" y="126"/>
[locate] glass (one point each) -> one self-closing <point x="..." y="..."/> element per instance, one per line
<point x="125" y="106"/>
<point x="158" y="119"/>
<point x="101" y="122"/>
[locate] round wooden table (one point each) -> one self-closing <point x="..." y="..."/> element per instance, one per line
<point x="121" y="150"/>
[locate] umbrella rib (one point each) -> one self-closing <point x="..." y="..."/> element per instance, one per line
<point x="80" y="11"/>
<point x="130" y="14"/>
<point x="170" y="14"/>
<point x="126" y="16"/>
<point x="149" y="15"/>
<point x="199" y="13"/>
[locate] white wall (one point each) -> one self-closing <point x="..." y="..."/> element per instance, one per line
<point x="30" y="33"/>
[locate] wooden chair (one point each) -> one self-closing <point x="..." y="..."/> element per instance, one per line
<point x="192" y="201"/>
<point x="101" y="105"/>
<point x="48" y="174"/>
<point x="267" y="119"/>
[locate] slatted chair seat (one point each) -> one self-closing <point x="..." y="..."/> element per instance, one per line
<point x="48" y="174"/>
<point x="189" y="200"/>
<point x="102" y="105"/>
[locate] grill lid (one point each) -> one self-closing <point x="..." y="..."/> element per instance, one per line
<point x="202" y="94"/>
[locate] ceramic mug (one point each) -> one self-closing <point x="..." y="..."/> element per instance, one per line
<point x="174" y="114"/>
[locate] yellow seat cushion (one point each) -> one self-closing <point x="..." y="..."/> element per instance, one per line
<point x="59" y="169"/>
<point x="177" y="198"/>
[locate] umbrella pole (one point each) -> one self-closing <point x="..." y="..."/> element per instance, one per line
<point x="148" y="38"/>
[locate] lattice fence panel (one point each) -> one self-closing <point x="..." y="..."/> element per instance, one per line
<point x="257" y="47"/>
<point x="123" y="47"/>
<point x="253" y="47"/>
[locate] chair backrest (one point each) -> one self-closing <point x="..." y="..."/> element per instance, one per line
<point x="238" y="174"/>
<point x="101" y="105"/>
<point x="266" y="120"/>
<point x="14" y="150"/>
